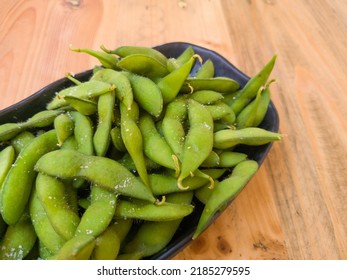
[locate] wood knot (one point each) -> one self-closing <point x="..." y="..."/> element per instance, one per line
<point x="223" y="246"/>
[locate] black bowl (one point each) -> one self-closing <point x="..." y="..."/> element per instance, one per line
<point x="24" y="109"/>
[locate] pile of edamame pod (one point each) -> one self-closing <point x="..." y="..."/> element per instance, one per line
<point x="113" y="164"/>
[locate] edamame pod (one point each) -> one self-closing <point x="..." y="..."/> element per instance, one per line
<point x="20" y="141"/>
<point x="104" y="172"/>
<point x="249" y="91"/>
<point x="106" y="59"/>
<point x="143" y="65"/>
<point x="221" y="111"/>
<point x="122" y="84"/>
<point x="7" y="157"/>
<point x="18" y="183"/>
<point x="83" y="132"/>
<point x="117" y="141"/>
<point x="40" y="119"/>
<point x="18" y="240"/>
<point x="206" y="97"/>
<point x="225" y="191"/>
<point x="147" y="94"/>
<point x="133" y="139"/>
<point x="206" y="70"/>
<point x="64" y="127"/>
<point x="254" y="113"/>
<point x="42" y="225"/>
<point x="171" y="84"/>
<point x="88" y="89"/>
<point x="199" y="140"/>
<point x="99" y="214"/>
<point x="154" y="236"/>
<point x="163" y="183"/>
<point x="220" y="84"/>
<point x="108" y="243"/>
<point x="155" y="146"/>
<point x="230" y="159"/>
<point x="166" y="211"/>
<point x="252" y="136"/>
<point x="172" y="125"/>
<point x="77" y="248"/>
<point x="51" y="193"/>
<point x="174" y="63"/>
<point x="84" y="106"/>
<point x="124" y="51"/>
<point x="102" y="136"/>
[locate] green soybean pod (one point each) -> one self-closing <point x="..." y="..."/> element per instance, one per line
<point x="84" y="106"/>
<point x="51" y="193"/>
<point x="64" y="127"/>
<point x="252" y="136"/>
<point x="147" y="94"/>
<point x="20" y="178"/>
<point x="43" y="118"/>
<point x="166" y="183"/>
<point x="124" y="51"/>
<point x="206" y="70"/>
<point x="155" y="146"/>
<point x="77" y="248"/>
<point x="204" y="193"/>
<point x="105" y="172"/>
<point x="133" y="139"/>
<point x="174" y="63"/>
<point x="229" y="159"/>
<point x="83" y="132"/>
<point x="18" y="240"/>
<point x="44" y="252"/>
<point x="107" y="245"/>
<point x="172" y="125"/>
<point x="225" y="191"/>
<point x="165" y="211"/>
<point x="117" y="141"/>
<point x="171" y="84"/>
<point x="212" y="160"/>
<point x="70" y="143"/>
<point x="249" y="91"/>
<point x="129" y="164"/>
<point x="254" y="113"/>
<point x="154" y="236"/>
<point x="106" y="59"/>
<point x="40" y="119"/>
<point x="20" y="141"/>
<point x="144" y="65"/>
<point x="109" y="242"/>
<point x="221" y="111"/>
<point x="42" y="225"/>
<point x="10" y="130"/>
<point x="86" y="90"/>
<point x="99" y="214"/>
<point x="219" y="84"/>
<point x="120" y="81"/>
<point x="207" y="97"/>
<point x="102" y="136"/>
<point x="7" y="157"/>
<point x="199" y="140"/>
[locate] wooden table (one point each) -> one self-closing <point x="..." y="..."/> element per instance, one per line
<point x="296" y="205"/>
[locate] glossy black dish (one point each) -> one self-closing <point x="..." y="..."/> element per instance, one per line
<point x="24" y="109"/>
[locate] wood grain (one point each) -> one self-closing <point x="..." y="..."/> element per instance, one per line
<point x="295" y="207"/>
